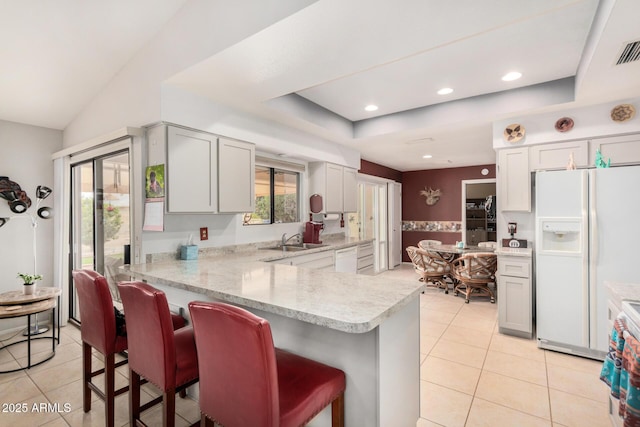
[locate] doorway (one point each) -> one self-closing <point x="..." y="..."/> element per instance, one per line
<point x="370" y="222"/>
<point x="100" y="219"/>
<point x="479" y="206"/>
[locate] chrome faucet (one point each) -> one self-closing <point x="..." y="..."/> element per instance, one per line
<point x="285" y="239"/>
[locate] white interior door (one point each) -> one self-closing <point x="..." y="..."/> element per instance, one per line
<point x="395" y="224"/>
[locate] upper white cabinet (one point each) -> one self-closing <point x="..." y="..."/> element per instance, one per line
<point x="514" y="179"/>
<point x="206" y="174"/>
<point x="191" y="181"/>
<point x="350" y="190"/>
<point x="556" y="156"/>
<point x="236" y="176"/>
<point x="620" y="149"/>
<point x="336" y="184"/>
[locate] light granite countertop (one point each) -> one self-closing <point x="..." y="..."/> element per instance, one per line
<point x="343" y="301"/>
<point x="623" y="292"/>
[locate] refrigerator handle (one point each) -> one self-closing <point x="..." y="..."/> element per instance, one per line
<point x="593" y="223"/>
<point x="587" y="302"/>
<point x="593" y="259"/>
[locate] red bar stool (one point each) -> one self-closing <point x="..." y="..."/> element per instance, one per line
<point x="157" y="353"/>
<point x="245" y="381"/>
<point x="98" y="330"/>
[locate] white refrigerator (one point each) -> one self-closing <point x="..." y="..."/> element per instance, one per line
<point x="587" y="233"/>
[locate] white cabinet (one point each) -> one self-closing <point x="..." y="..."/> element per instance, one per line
<point x="324" y="260"/>
<point x="191" y="181"/>
<point x="366" y="259"/>
<point x="556" y="156"/>
<point x="514" y="179"/>
<point x="350" y="189"/>
<point x="236" y="176"/>
<point x="208" y="175"/>
<point x="620" y="149"/>
<point x="336" y="184"/>
<point x="515" y="296"/>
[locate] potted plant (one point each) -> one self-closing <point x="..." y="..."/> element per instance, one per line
<point x="29" y="282"/>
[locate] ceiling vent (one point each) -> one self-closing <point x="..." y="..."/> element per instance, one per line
<point x="630" y="53"/>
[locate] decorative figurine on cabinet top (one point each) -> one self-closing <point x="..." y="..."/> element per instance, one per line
<point x="600" y="163"/>
<point x="572" y="164"/>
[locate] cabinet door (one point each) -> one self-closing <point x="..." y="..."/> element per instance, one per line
<point x="620" y="149"/>
<point x="334" y="189"/>
<point x="514" y="179"/>
<point x="236" y="176"/>
<point x="350" y="183"/>
<point x="514" y="304"/>
<point x="191" y="160"/>
<point x="556" y="156"/>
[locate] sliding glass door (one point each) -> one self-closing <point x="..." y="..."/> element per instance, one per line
<point x="100" y="218"/>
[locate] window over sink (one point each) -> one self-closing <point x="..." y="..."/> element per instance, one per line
<point x="277" y="197"/>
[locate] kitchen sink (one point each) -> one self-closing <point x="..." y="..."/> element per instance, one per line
<point x="295" y="248"/>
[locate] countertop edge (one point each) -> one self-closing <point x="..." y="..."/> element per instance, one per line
<point x="339" y="325"/>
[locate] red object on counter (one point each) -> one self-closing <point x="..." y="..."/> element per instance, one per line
<point x="312" y="232"/>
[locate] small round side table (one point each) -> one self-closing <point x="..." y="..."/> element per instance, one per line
<point x="17" y="304"/>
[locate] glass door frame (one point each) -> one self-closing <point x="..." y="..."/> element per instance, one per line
<point x="127" y="137"/>
<point x="94" y="178"/>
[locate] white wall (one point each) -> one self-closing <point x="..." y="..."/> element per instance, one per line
<point x="199" y="30"/>
<point x="26" y="159"/>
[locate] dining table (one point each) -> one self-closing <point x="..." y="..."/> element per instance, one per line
<point x="457" y="250"/>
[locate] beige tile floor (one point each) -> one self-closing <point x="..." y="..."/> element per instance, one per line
<point x="470" y="376"/>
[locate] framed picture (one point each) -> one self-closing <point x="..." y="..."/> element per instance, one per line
<point x="154" y="187"/>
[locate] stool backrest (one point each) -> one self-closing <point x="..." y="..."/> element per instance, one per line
<point x="96" y="310"/>
<point x="235" y="349"/>
<point x="152" y="352"/>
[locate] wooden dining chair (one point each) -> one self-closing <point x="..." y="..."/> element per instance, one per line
<point x="473" y="273"/>
<point x="433" y="267"/>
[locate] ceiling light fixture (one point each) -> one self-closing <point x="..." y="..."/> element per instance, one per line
<point x="511" y="76"/>
<point x="427" y="156"/>
<point x="445" y="91"/>
<point x="371" y="107"/>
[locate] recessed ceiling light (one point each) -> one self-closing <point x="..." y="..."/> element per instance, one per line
<point x="513" y="75"/>
<point x="371" y="107"/>
<point x="427" y="156"/>
<point x="445" y="91"/>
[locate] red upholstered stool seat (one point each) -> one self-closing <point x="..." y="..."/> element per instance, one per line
<point x="157" y="353"/>
<point x="245" y="381"/>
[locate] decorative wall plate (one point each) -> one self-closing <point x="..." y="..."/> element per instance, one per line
<point x="623" y="112"/>
<point x="564" y="124"/>
<point x="513" y="133"/>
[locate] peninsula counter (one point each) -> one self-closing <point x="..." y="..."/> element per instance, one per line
<point x="365" y="325"/>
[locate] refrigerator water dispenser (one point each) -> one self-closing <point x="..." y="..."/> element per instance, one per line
<point x="561" y="235"/>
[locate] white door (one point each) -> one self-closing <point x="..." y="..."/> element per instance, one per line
<point x="615" y="233"/>
<point x="395" y="224"/>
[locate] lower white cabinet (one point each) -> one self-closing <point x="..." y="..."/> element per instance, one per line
<point x="366" y="259"/>
<point x="515" y="296"/>
<point x="324" y="260"/>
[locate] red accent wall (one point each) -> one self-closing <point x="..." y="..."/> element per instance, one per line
<point x="448" y="208"/>
<point x="370" y="168"/>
